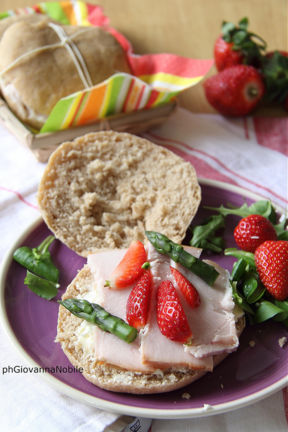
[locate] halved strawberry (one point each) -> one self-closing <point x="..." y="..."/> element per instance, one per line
<point x="188" y="290"/>
<point x="171" y="317"/>
<point x="139" y="300"/>
<point x="130" y="267"/>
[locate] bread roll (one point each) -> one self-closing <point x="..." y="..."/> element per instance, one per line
<point x="104" y="189"/>
<point x="42" y="62"/>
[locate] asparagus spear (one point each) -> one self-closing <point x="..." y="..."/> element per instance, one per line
<point x="95" y="314"/>
<point x="177" y="253"/>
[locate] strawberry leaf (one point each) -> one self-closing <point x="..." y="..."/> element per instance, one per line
<point x="250" y="44"/>
<point x="275" y="73"/>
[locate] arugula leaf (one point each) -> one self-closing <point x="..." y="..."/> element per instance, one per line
<point x="237" y="253"/>
<point x="261" y="207"/>
<point x="42" y="287"/>
<point x="252" y="289"/>
<point x="240" y="300"/>
<point x="38" y="260"/>
<point x="204" y="234"/>
<point x="267" y="310"/>
<point x="280" y="228"/>
<point x="42" y="275"/>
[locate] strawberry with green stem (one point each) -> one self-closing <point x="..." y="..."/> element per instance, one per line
<point x="236" y="45"/>
<point x="235" y="91"/>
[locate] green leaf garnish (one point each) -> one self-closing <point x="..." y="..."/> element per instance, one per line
<point x="42" y="275"/>
<point x="42" y="287"/>
<point x="204" y="234"/>
<point x="261" y="207"/>
<point x="38" y="260"/>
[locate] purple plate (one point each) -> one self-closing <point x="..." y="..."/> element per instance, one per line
<point x="256" y="370"/>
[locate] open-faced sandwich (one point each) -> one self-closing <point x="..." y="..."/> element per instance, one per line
<point x="163" y="316"/>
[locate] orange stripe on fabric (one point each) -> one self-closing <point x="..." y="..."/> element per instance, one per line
<point x="93" y="105"/>
<point x="69" y="11"/>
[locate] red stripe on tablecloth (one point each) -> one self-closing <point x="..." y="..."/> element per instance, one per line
<point x="219" y="162"/>
<point x="285" y="400"/>
<point x="18" y="194"/>
<point x="202" y="168"/>
<point x="272" y="133"/>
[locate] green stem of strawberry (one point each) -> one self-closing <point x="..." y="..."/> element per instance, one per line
<point x="95" y="314"/>
<point x="177" y="253"/>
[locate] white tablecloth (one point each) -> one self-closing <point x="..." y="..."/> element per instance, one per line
<point x="251" y="153"/>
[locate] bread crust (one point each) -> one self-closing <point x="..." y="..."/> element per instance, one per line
<point x="104" y="189"/>
<point x="110" y="377"/>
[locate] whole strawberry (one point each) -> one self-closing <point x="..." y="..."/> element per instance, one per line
<point x="252" y="231"/>
<point x="274" y="69"/>
<point x="235" y="91"/>
<point x="236" y="45"/>
<point x="271" y="259"/>
<point x="171" y="317"/>
<point x="224" y="54"/>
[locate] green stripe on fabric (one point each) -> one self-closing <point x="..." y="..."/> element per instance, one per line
<point x="57" y="116"/>
<point x="113" y="95"/>
<point x="55" y="11"/>
<point x="4" y="15"/>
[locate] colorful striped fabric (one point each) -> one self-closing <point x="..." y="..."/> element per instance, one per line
<point x="155" y="79"/>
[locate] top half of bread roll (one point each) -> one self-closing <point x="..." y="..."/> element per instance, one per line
<point x="104" y="189"/>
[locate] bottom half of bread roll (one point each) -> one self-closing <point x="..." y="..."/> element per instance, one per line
<point x="109" y="376"/>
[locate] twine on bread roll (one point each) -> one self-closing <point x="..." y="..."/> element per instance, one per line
<point x="64" y="41"/>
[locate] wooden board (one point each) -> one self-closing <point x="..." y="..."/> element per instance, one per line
<point x="42" y="145"/>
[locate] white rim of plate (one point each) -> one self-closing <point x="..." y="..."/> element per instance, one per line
<point x="114" y="407"/>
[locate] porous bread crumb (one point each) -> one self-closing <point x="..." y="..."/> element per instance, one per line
<point x="104" y="189"/>
<point x="186" y="396"/>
